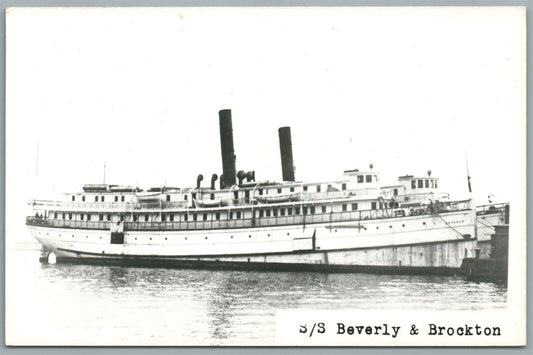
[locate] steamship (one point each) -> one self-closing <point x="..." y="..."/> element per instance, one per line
<point x="354" y="223"/>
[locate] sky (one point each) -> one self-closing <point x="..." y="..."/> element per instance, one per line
<point x="139" y="90"/>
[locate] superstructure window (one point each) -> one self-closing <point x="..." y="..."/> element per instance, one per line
<point x="88" y="217"/>
<point x="171" y="216"/>
<point x="81" y="217"/>
<point x="122" y="218"/>
<point x="343" y="187"/>
<point x="260" y="192"/>
<point x="420" y="184"/>
<point x="168" y="198"/>
<point x="436" y="184"/>
<point x="261" y="213"/>
<point x="217" y="216"/>
<point x="231" y="215"/>
<point x="267" y="212"/>
<point x="360" y="179"/>
<point x="432" y="183"/>
<point x="116" y="198"/>
<point x="323" y="209"/>
<point x="73" y="198"/>
<point x="292" y="189"/>
<point x="194" y="217"/>
<point x="289" y="211"/>
<point x="185" y="217"/>
<point x="312" y="209"/>
<point x="212" y="196"/>
<point x="55" y="215"/>
<point x="374" y="205"/>
<point x="122" y="198"/>
<point x="146" y="217"/>
<point x="282" y="212"/>
<point x="70" y="216"/>
<point x="163" y="217"/>
<point x="103" y="198"/>
<point x="344" y="207"/>
<point x="275" y="212"/>
<point x="305" y="188"/>
<point x="413" y="184"/>
<point x="354" y="206"/>
<point x="95" y="198"/>
<point x="108" y="217"/>
<point x="279" y="191"/>
<point x="305" y="210"/>
<point x="184" y="197"/>
<point x="83" y="198"/>
<point x="205" y="217"/>
<point x="317" y="188"/>
<point x="427" y="183"/>
<point x="238" y="214"/>
<point x="135" y="217"/>
<point x="63" y="216"/>
<point x="368" y="178"/>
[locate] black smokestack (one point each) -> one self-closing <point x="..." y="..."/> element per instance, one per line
<point x="226" y="144"/>
<point x="285" y="148"/>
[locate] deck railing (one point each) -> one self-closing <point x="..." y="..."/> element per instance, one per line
<point x="213" y="223"/>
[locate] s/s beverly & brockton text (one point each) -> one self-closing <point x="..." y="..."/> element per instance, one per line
<point x="351" y="224"/>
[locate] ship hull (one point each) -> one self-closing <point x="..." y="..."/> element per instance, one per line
<point x="433" y="244"/>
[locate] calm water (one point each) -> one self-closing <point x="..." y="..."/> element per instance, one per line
<point x="110" y="305"/>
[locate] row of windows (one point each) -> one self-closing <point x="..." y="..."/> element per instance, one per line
<point x="232" y="214"/>
<point x="102" y="198"/>
<point x="421" y="183"/>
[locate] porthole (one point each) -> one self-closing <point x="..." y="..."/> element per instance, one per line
<point x="269" y="234"/>
<point x="135" y="238"/>
<point x="205" y="237"/>
<point x="390" y="226"/>
<point x="165" y="238"/>
<point x="100" y="237"/>
<point x="185" y="238"/>
<point x="403" y="225"/>
<point x="424" y="223"/>
<point x="288" y="233"/>
<point x="86" y="236"/>
<point x="335" y="231"/>
<point x="150" y="238"/>
<point x="231" y="237"/>
<point x="250" y="236"/>
<point x="377" y="227"/>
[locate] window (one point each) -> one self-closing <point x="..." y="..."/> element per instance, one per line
<point x="238" y="214"/>
<point x="354" y="206"/>
<point x="163" y="217"/>
<point x="305" y="188"/>
<point x="317" y="188"/>
<point x="380" y="205"/>
<point x="289" y="211"/>
<point x="343" y="187"/>
<point x="171" y="216"/>
<point x="413" y="184"/>
<point x="83" y="198"/>
<point x="116" y="198"/>
<point x="55" y="215"/>
<point x="168" y="198"/>
<point x="279" y="191"/>
<point x="135" y="217"/>
<point x="184" y="197"/>
<point x="420" y="184"/>
<point x="297" y="210"/>
<point x="194" y="217"/>
<point x="108" y="217"/>
<point x="122" y="218"/>
<point x="73" y="198"/>
<point x="261" y="213"/>
<point x="360" y="179"/>
<point x="146" y="218"/>
<point x="395" y="192"/>
<point x="95" y="198"/>
<point x="63" y="216"/>
<point x="185" y="217"/>
<point x="231" y="215"/>
<point x="212" y="196"/>
<point x="432" y="183"/>
<point x="427" y="183"/>
<point x="344" y="207"/>
<point x="436" y="184"/>
<point x="282" y="212"/>
<point x="217" y="216"/>
<point x="305" y="210"/>
<point x="312" y="209"/>
<point x="88" y="217"/>
<point x="122" y="198"/>
<point x="70" y="216"/>
<point x="260" y="192"/>
<point x="323" y="209"/>
<point x="275" y="212"/>
<point x="103" y="199"/>
<point x="368" y="178"/>
<point x="374" y="205"/>
<point x="267" y="213"/>
<point x="292" y="189"/>
<point x="205" y="217"/>
<point x="193" y="195"/>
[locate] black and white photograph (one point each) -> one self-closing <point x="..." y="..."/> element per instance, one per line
<point x="268" y="176"/>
